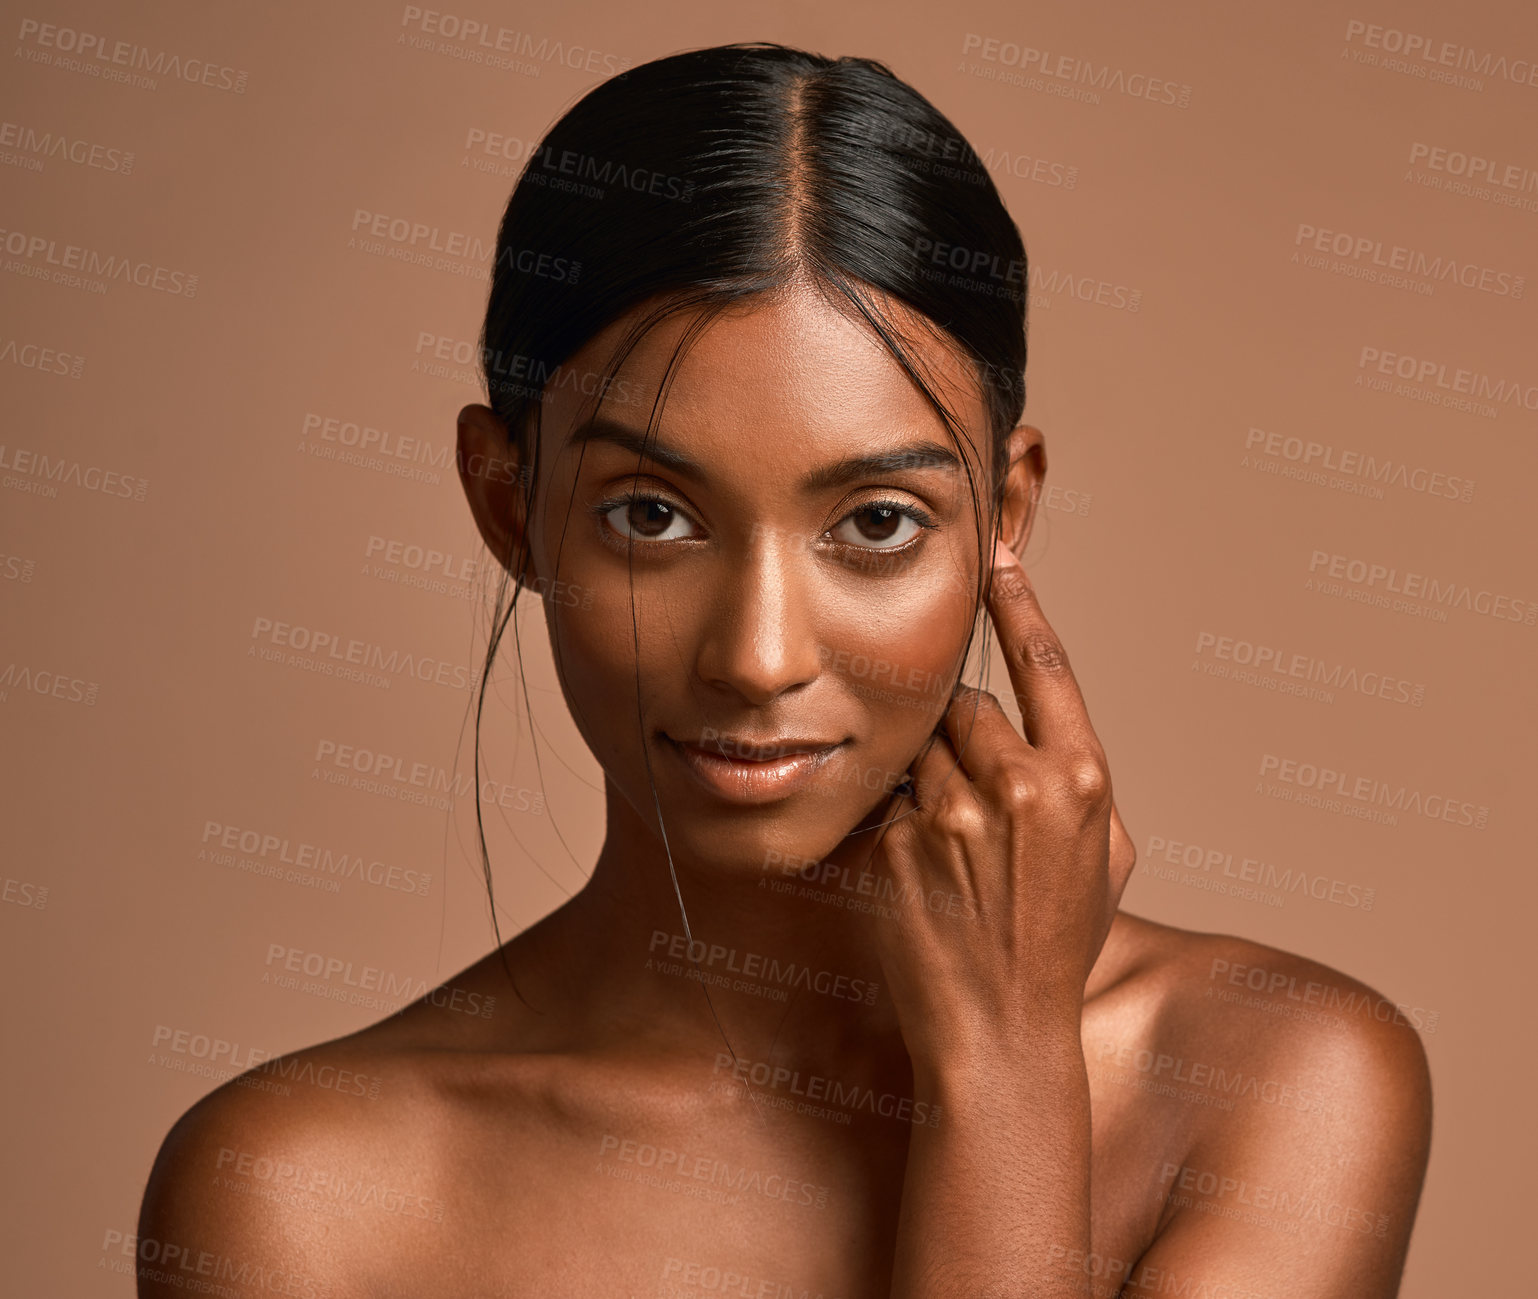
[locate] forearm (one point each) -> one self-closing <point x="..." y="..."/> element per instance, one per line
<point x="997" y="1194"/>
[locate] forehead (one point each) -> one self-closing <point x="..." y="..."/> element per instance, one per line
<point x="788" y="374"/>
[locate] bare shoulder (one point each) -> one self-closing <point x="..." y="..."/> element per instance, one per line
<point x="317" y="1173"/>
<point x="267" y="1181"/>
<point x="1261" y="1005"/>
<point x="1301" y="1094"/>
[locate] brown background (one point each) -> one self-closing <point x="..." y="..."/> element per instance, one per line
<point x="1161" y="531"/>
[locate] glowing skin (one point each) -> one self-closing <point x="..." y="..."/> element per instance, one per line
<point x="758" y="610"/>
<point x="758" y="613"/>
<point x="758" y="589"/>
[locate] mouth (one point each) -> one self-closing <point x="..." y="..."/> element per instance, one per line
<point x="741" y="770"/>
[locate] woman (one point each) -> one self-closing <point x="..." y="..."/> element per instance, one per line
<point x="847" y="1007"/>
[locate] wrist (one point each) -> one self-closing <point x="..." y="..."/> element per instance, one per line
<point x="1047" y="1054"/>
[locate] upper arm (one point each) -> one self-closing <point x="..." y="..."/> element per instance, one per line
<point x="1312" y="1196"/>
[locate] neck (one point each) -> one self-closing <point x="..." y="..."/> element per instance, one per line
<point x="789" y="964"/>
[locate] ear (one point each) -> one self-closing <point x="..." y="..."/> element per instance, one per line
<point x="1026" y="471"/>
<point x="495" y="482"/>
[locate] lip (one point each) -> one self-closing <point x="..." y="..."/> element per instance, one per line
<point x="741" y="749"/>
<point x="787" y="766"/>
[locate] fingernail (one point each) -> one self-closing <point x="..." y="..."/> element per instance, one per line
<point x="1003" y="556"/>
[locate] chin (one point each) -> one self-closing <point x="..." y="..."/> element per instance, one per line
<point x="762" y="841"/>
<point x="769" y="839"/>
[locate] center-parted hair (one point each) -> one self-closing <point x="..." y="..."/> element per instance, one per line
<point x="707" y="177"/>
<point x="716" y="174"/>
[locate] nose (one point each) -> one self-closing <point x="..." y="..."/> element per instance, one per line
<point x="760" y="635"/>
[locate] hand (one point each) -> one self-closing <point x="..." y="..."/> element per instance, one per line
<point x="1024" y="832"/>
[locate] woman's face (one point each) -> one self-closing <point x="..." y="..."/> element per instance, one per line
<point x="770" y="582"/>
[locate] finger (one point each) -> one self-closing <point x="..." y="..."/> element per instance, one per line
<point x="1123" y="854"/>
<point x="1052" y="709"/>
<point x="1123" y="857"/>
<point x="983" y="737"/>
<point x="936" y="766"/>
<point x="933" y="770"/>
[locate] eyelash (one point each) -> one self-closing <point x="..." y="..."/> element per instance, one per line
<point x="921" y="517"/>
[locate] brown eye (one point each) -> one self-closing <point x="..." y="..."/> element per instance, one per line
<point x="881" y="525"/>
<point x="645" y="518"/>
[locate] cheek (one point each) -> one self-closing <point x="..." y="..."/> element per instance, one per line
<point x="896" y="647"/>
<point x="593" y="649"/>
<point x="587" y="618"/>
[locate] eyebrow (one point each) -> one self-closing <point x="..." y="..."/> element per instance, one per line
<point x="917" y="455"/>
